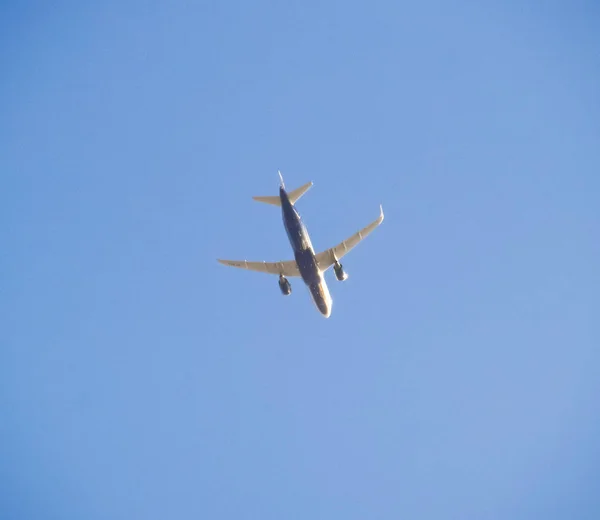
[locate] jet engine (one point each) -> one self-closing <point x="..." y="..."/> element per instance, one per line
<point x="284" y="285"/>
<point x="340" y="274"/>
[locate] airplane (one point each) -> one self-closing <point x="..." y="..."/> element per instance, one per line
<point x="306" y="264"/>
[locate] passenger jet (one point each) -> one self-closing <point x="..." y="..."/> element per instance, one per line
<point x="306" y="264"/>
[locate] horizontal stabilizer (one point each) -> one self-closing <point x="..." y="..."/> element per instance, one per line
<point x="298" y="192"/>
<point x="269" y="199"/>
<point x="292" y="195"/>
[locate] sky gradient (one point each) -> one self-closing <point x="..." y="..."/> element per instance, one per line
<point x="459" y="374"/>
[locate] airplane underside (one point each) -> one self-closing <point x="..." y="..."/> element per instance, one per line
<point x="314" y="280"/>
<point x="306" y="264"/>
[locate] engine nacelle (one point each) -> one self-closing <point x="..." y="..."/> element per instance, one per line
<point x="284" y="285"/>
<point x="340" y="274"/>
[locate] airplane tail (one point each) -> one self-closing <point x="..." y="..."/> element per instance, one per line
<point x="293" y="195"/>
<point x="269" y="199"/>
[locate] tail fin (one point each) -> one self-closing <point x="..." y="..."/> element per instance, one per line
<point x="293" y="196"/>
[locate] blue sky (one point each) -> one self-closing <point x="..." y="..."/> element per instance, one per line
<point x="458" y="376"/>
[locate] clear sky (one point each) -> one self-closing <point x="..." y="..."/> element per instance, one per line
<point x="459" y="374"/>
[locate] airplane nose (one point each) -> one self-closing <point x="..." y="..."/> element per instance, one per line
<point x="321" y="297"/>
<point x="325" y="309"/>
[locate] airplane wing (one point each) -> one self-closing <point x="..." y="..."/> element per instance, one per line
<point x="328" y="257"/>
<point x="288" y="268"/>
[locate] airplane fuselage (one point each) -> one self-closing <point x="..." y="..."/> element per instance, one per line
<point x="304" y="254"/>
